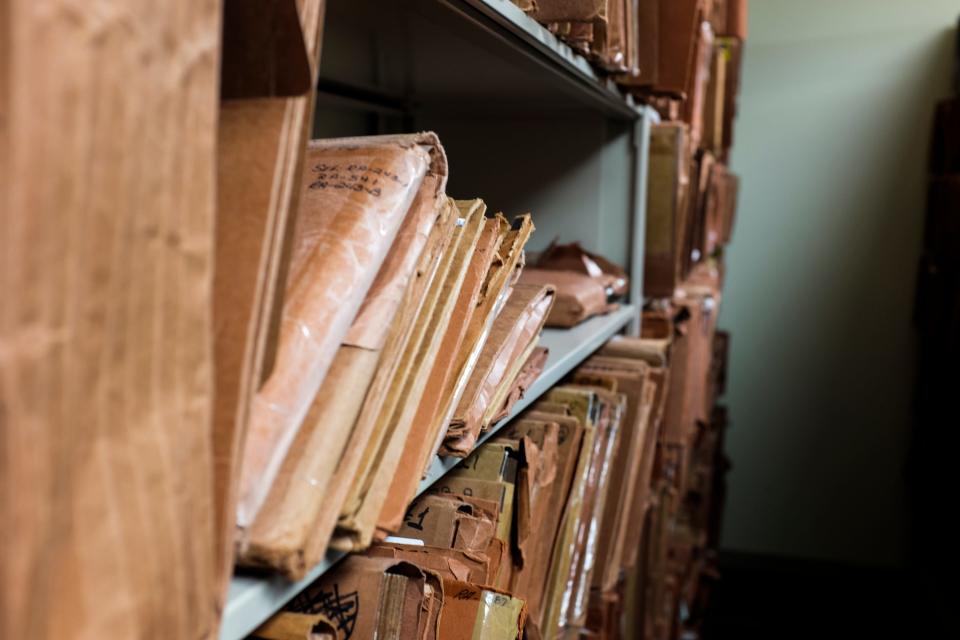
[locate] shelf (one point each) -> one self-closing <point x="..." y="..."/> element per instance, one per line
<point x="253" y="599"/>
<point x="533" y="39"/>
<point x="477" y="57"/>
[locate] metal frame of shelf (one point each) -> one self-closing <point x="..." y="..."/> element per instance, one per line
<point x="515" y="29"/>
<point x="253" y="598"/>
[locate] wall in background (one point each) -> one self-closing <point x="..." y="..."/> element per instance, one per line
<point x="831" y="144"/>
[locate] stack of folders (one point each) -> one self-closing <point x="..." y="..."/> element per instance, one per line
<point x="606" y="31"/>
<point x="521" y="537"/>
<point x="590" y="515"/>
<point x="404" y="332"/>
<point x="691" y="197"/>
<point x="646" y="45"/>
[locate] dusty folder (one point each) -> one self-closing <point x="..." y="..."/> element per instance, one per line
<point x="368" y="597"/>
<point x="566" y="10"/>
<point x="668" y="228"/>
<point x="292" y="530"/>
<point x="573" y="257"/>
<point x="439" y="395"/>
<point x="355" y="197"/>
<point x="537" y="471"/>
<point x="384" y="451"/>
<point x="614" y="30"/>
<point x="581" y="404"/>
<point x="694" y="325"/>
<point x="474" y="612"/>
<point x="715" y="101"/>
<point x="260" y="147"/>
<point x="630" y="380"/>
<point x="529" y="372"/>
<point x="610" y="409"/>
<point x="501" y="275"/>
<point x="578" y="296"/>
<point x="451" y="521"/>
<point x="678" y="27"/>
<point x="512" y="338"/>
<point x="455" y="564"/>
<point x="287" y="625"/>
<point x="529" y="580"/>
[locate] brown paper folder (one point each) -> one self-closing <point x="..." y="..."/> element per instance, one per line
<point x="368" y="597"/>
<point x="474" y="612"/>
<point x="582" y="405"/>
<point x="451" y="521"/>
<point x="355" y="197"/>
<point x="736" y="24"/>
<point x="694" y="324"/>
<point x="297" y="520"/>
<point x="566" y="10"/>
<point x="667" y="210"/>
<point x="514" y="330"/>
<point x="440" y="393"/>
<point x="287" y="625"/>
<point x="383" y="453"/>
<point x="455" y="564"/>
<point x="529" y="372"/>
<point x="573" y="257"/>
<point x="610" y="412"/>
<point x="260" y="148"/>
<point x="108" y="152"/>
<point x="578" y="296"/>
<point x="715" y="101"/>
<point x="679" y="26"/>
<point x="501" y="276"/>
<point x="630" y="379"/>
<point x="398" y="337"/>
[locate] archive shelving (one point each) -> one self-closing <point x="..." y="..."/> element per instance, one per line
<point x="528" y="125"/>
<point x="253" y="599"/>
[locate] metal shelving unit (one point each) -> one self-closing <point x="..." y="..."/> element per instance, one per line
<point x="464" y="68"/>
<point x="252" y="599"/>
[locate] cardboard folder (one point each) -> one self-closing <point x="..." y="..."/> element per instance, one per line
<point x="384" y="451"/>
<point x="686" y="404"/>
<point x="474" y="612"/>
<point x="264" y="52"/>
<point x="679" y="28"/>
<point x="529" y="372"/>
<point x="529" y="580"/>
<point x="455" y="564"/>
<point x="611" y="407"/>
<point x="502" y="274"/>
<point x="287" y="625"/>
<point x="367" y="597"/>
<point x="355" y="197"/>
<point x="582" y="405"/>
<point x="295" y="525"/>
<point x="566" y="10"/>
<point x="451" y="521"/>
<point x="668" y="221"/>
<point x="630" y="381"/>
<point x="715" y="100"/>
<point x="260" y="148"/>
<point x="511" y="340"/>
<point x="440" y="394"/>
<point x="578" y="296"/>
<point x="573" y="257"/>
